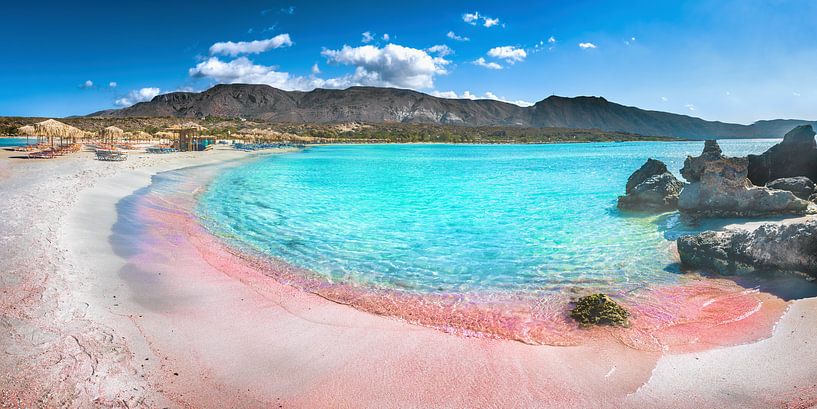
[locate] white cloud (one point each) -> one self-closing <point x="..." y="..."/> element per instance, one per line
<point x="490" y="22"/>
<point x="441" y="50"/>
<point x="288" y="10"/>
<point x="455" y="37"/>
<point x="690" y="107"/>
<point x="315" y="69"/>
<point x="250" y="47"/>
<point x="366" y="37"/>
<point x="87" y="84"/>
<point x="586" y="46"/>
<point x="489" y="65"/>
<point x="664" y="99"/>
<point x="243" y="71"/>
<point x="112" y="84"/>
<point x="487" y="95"/>
<point x="391" y="65"/>
<point x="471" y="18"/>
<point x="796" y="94"/>
<point x="508" y="53"/>
<point x="631" y="41"/>
<point x="138" y="95"/>
<point x="552" y="40"/>
<point x="386" y="37"/>
<point x="475" y="17"/>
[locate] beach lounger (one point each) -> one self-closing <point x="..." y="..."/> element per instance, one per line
<point x="111" y="155"/>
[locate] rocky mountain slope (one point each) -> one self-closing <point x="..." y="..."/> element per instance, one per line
<point x="374" y="105"/>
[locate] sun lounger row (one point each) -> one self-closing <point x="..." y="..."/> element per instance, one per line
<point x="159" y="149"/>
<point x="111" y="155"/>
<point x="53" y="152"/>
<point x="259" y="146"/>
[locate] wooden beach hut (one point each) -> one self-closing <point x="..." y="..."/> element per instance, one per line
<point x="191" y="136"/>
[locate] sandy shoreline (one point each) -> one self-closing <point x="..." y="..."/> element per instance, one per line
<point x="81" y="327"/>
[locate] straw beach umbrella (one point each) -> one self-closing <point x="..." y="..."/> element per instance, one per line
<point x="28" y="131"/>
<point x="56" y="129"/>
<point x="111" y="133"/>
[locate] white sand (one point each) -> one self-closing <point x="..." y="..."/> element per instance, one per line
<point x="244" y="341"/>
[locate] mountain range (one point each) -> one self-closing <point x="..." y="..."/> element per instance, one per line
<point x="377" y="105"/>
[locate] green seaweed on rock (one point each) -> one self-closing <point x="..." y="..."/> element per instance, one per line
<point x="599" y="309"/>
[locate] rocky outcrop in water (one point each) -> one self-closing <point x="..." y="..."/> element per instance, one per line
<point x="651" y="188"/>
<point x="774" y="246"/>
<point x="719" y="188"/>
<point x="795" y="156"/>
<point x="599" y="309"/>
<point x="801" y="186"/>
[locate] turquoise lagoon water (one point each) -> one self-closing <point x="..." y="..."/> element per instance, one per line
<point x="455" y="218"/>
<point x="9" y="142"/>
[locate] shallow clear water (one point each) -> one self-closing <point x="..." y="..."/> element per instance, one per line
<point x="6" y="142"/>
<point x="455" y="218"/>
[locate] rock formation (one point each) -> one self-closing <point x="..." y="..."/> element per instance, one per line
<point x="801" y="186"/>
<point x="719" y="188"/>
<point x="599" y="309"/>
<point x="795" y="156"/>
<point x="775" y="246"/>
<point x="651" y="188"/>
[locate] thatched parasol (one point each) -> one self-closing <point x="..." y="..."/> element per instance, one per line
<point x="111" y="133"/>
<point x="187" y="125"/>
<point x="56" y="129"/>
<point x="139" y="136"/>
<point x="28" y="131"/>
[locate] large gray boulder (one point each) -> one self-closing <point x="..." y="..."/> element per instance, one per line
<point x="801" y="186"/>
<point x="719" y="188"/>
<point x="795" y="156"/>
<point x="774" y="246"/>
<point x="651" y="188"/>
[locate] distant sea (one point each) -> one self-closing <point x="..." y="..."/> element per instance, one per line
<point x="7" y="142"/>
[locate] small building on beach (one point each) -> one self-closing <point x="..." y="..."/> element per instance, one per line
<point x="191" y="136"/>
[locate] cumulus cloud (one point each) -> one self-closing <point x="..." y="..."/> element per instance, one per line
<point x="508" y="53"/>
<point x="386" y="37"/>
<point x="664" y="99"/>
<point x="486" y="95"/>
<point x="112" y="84"/>
<point x="250" y="47"/>
<point x="455" y="37"/>
<point x="471" y="18"/>
<point x="474" y="18"/>
<point x="137" y="95"/>
<point x="586" y="46"/>
<point x="441" y="50"/>
<point x="552" y="40"/>
<point x="485" y="64"/>
<point x="367" y="37"/>
<point x="690" y="107"/>
<point x="315" y="69"/>
<point x="490" y="22"/>
<point x="243" y="71"/>
<point x="391" y="65"/>
<point x="87" y="84"/>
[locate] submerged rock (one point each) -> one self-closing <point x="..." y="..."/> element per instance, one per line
<point x="774" y="246"/>
<point x="651" y="188"/>
<point x="599" y="309"/>
<point x="795" y="156"/>
<point x="719" y="188"/>
<point x="801" y="186"/>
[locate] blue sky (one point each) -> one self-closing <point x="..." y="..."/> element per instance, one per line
<point x="736" y="61"/>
